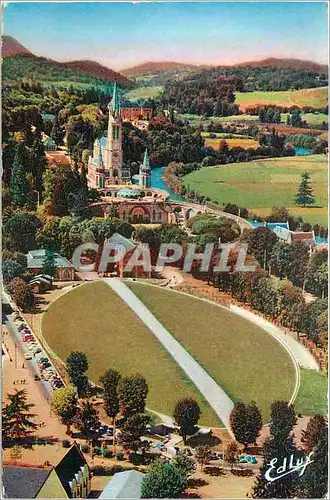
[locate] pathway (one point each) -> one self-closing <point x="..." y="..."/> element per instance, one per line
<point x="216" y="397"/>
<point x="302" y="355"/>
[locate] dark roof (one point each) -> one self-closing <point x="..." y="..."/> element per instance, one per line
<point x="23" y="482"/>
<point x="69" y="466"/>
<point x="301" y="235"/>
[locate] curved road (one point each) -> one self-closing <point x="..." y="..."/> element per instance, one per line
<point x="212" y="392"/>
<point x="302" y="355"/>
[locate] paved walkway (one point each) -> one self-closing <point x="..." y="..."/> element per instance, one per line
<point x="215" y="396"/>
<point x="302" y="355"/>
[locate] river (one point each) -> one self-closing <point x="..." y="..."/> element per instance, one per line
<point x="157" y="180"/>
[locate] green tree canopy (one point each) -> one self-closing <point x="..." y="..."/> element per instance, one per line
<point x="164" y="480"/>
<point x="186" y="415"/>
<point x="305" y="192"/>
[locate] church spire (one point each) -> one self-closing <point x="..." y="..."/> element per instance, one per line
<point x="146" y="162"/>
<point x="114" y="104"/>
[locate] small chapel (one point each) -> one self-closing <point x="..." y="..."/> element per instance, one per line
<point x="106" y="167"/>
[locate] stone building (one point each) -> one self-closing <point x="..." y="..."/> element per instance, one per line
<point x="106" y="166"/>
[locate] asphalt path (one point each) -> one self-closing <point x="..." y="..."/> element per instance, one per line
<point x="212" y="392"/>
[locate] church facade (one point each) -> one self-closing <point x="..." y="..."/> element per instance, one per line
<point x="106" y="167"/>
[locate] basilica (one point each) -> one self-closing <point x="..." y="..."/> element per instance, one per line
<point x="106" y="167"/>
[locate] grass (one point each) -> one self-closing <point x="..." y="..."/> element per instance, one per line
<point x="93" y="319"/>
<point x="232" y="118"/>
<point x="144" y="93"/>
<point x="262" y="184"/>
<point x="235" y="352"/>
<point x="312" y="395"/>
<point x="232" y="142"/>
<point x="316" y="98"/>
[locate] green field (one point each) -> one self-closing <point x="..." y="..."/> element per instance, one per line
<point x="316" y="98"/>
<point x="144" y="93"/>
<point x="236" y="353"/>
<point x="312" y="395"/>
<point x="262" y="184"/>
<point x="233" y="118"/>
<point x="93" y="319"/>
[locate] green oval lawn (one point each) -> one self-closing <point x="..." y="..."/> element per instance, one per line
<point x="247" y="362"/>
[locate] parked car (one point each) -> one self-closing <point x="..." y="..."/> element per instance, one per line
<point x="36" y="350"/>
<point x="27" y="355"/>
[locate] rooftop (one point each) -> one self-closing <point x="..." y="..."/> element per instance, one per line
<point x="124" y="485"/>
<point x="35" y="259"/>
<point x="128" y="193"/>
<point x="23" y="482"/>
<point x="118" y="239"/>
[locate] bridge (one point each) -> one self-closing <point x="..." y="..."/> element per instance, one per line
<point x="157" y="210"/>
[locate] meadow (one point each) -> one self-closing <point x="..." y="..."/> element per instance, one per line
<point x="231" y="349"/>
<point x="143" y="93"/>
<point x="232" y="142"/>
<point x="262" y="184"/>
<point x="109" y="332"/>
<point x="235" y="352"/>
<point x="312" y="394"/>
<point x="316" y="98"/>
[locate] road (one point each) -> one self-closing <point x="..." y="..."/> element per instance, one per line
<point x="32" y="365"/>
<point x="212" y="392"/>
<point x="304" y="358"/>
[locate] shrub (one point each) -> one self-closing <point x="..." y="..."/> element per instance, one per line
<point x="84" y="448"/>
<point x="97" y="450"/>
<point x="66" y="443"/>
<point x="107" y="453"/>
<point x="37" y="378"/>
<point x="105" y="470"/>
<point x="120" y="456"/>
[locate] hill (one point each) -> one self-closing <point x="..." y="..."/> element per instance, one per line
<point x="97" y="70"/>
<point x="298" y="64"/>
<point x="11" y="47"/>
<point x="156" y="67"/>
<point x="21" y="64"/>
<point x="82" y="74"/>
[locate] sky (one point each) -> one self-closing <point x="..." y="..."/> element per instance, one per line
<point x="120" y="35"/>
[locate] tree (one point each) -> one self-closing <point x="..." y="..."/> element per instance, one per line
<point x="19" y="185"/>
<point x="246" y="422"/>
<point x="22" y="294"/>
<point x="281" y="259"/>
<point x="203" y="455"/>
<point x="12" y="269"/>
<point x="184" y="462"/>
<point x="132" y="431"/>
<point x="260" y="244"/>
<point x="315" y="429"/>
<point x="19" y="231"/>
<point x="300" y="257"/>
<point x="231" y="453"/>
<point x="164" y="480"/>
<point x="132" y="395"/>
<point x="38" y="163"/>
<point x="17" y="418"/>
<point x="64" y="403"/>
<point x="48" y="266"/>
<point x="77" y="365"/>
<point x="110" y="382"/>
<point x="87" y="420"/>
<point x="279" y="445"/>
<point x="238" y="419"/>
<point x="186" y="415"/>
<point x="305" y="192"/>
<point x="315" y="480"/>
<point x="253" y="423"/>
